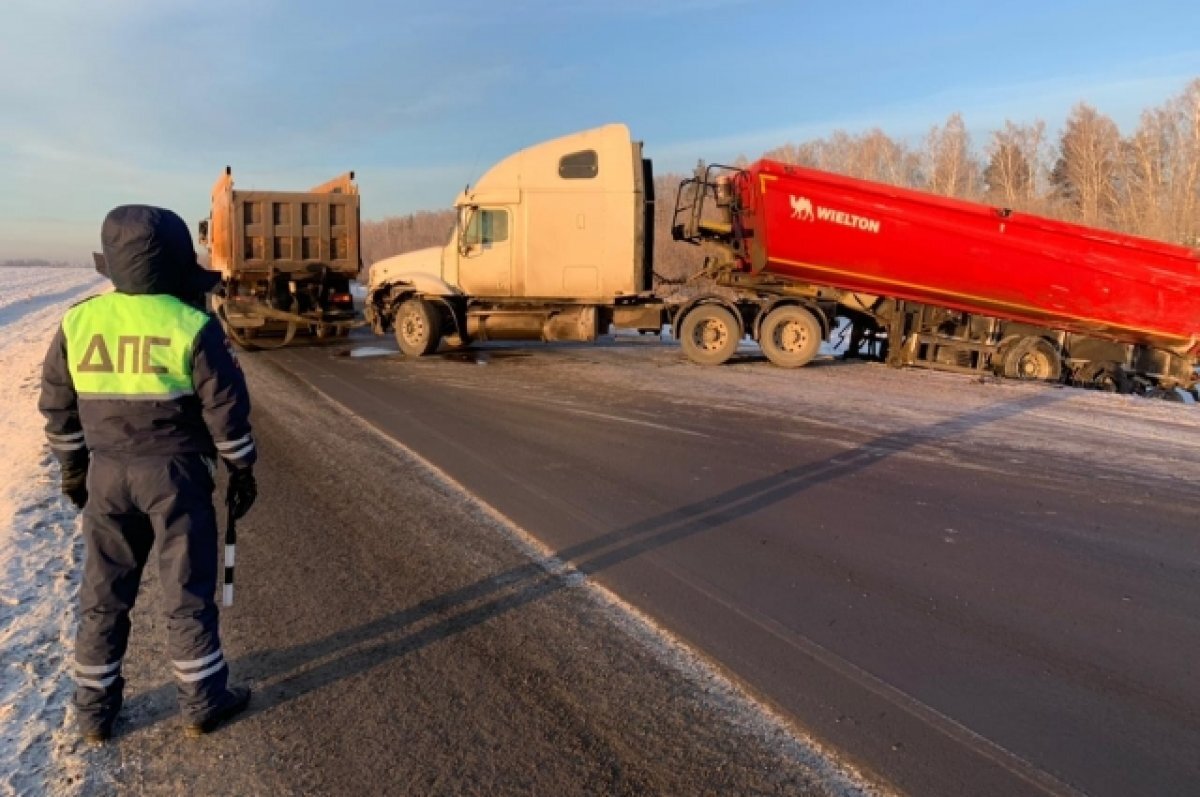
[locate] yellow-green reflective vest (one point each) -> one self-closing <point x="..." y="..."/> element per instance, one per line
<point x="132" y="347"/>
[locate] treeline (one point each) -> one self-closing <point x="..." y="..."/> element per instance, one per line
<point x="1146" y="183"/>
<point x="399" y="234"/>
<point x="35" y="263"/>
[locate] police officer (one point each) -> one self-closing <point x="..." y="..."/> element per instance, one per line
<point x="141" y="394"/>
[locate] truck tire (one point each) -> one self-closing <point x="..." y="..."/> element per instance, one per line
<point x="1032" y="359"/>
<point x="1106" y="376"/>
<point x="709" y="334"/>
<point x="790" y="336"/>
<point x="418" y="328"/>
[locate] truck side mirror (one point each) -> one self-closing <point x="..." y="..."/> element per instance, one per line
<point x="468" y="229"/>
<point x="203" y="232"/>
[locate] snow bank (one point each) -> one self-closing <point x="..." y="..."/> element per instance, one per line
<point x="40" y="548"/>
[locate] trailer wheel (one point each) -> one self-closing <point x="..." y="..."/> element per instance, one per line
<point x="1032" y="359"/>
<point x="709" y="334"/>
<point x="418" y="328"/>
<point x="1106" y="376"/>
<point x="790" y="336"/>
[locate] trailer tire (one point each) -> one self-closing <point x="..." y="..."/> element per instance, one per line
<point x="418" y="328"/>
<point x="790" y="336"/>
<point x="1105" y="376"/>
<point x="709" y="334"/>
<point x="1032" y="359"/>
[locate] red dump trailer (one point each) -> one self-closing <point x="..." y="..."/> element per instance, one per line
<point x="926" y="280"/>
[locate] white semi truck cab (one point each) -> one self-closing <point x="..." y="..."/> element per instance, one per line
<point x="555" y="242"/>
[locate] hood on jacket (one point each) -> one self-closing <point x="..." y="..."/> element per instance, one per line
<point x="149" y="250"/>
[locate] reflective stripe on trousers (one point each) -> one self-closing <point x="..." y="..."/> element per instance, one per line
<point x="135" y="504"/>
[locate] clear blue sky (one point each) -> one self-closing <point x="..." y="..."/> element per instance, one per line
<point x="105" y="102"/>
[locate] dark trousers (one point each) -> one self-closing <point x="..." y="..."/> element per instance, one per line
<point x="134" y="502"/>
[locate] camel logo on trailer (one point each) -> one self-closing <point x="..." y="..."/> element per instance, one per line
<point x="804" y="210"/>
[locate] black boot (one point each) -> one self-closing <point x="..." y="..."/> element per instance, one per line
<point x="96" y="722"/>
<point x="235" y="702"/>
<point x="97" y="734"/>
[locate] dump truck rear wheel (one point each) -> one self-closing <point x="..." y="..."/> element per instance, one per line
<point x="418" y="328"/>
<point x="1033" y="359"/>
<point x="709" y="334"/>
<point x="790" y="336"/>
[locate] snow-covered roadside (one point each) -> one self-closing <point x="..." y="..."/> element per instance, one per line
<point x="40" y="548"/>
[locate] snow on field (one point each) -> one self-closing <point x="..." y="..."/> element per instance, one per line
<point x="40" y="547"/>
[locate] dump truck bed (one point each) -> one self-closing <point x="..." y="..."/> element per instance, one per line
<point x="871" y="238"/>
<point x="293" y="232"/>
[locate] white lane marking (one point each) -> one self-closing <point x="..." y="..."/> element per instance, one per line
<point x="632" y="421"/>
<point x="565" y="406"/>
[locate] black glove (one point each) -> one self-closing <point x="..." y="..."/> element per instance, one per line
<point x="74" y="483"/>
<point x="242" y="492"/>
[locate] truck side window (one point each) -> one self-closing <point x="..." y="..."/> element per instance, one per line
<point x="486" y="227"/>
<point x="579" y="165"/>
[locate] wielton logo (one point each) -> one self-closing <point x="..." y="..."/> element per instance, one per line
<point x="134" y="355"/>
<point x="802" y="208"/>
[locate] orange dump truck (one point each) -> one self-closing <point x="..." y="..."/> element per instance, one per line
<point x="286" y="260"/>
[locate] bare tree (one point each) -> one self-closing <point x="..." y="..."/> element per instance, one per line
<point x="872" y="155"/>
<point x="876" y="156"/>
<point x="788" y="153"/>
<point x="1143" y="206"/>
<point x="1183" y="173"/>
<point x="398" y="234"/>
<point x="1016" y="165"/>
<point x="1086" y="174"/>
<point x="949" y="165"/>
<point x="673" y="261"/>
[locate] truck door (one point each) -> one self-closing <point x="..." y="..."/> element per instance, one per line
<point x="485" y="262"/>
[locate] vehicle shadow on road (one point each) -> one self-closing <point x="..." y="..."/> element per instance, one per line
<point x="288" y="673"/>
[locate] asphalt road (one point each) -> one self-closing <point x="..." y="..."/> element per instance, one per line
<point x="951" y="602"/>
<point x="953" y="619"/>
<point x="401" y="639"/>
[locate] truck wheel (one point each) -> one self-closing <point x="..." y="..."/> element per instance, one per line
<point x="1032" y="359"/>
<point x="1106" y="376"/>
<point x="418" y="328"/>
<point x="709" y="334"/>
<point x="790" y="336"/>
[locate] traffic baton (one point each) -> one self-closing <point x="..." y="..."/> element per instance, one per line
<point x="230" y="545"/>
